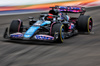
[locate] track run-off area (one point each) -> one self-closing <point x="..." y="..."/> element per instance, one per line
<point x="79" y="50"/>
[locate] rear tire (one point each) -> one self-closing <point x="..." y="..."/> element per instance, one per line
<point x="84" y="24"/>
<point x="15" y="26"/>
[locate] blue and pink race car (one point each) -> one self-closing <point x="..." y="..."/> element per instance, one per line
<point x="53" y="26"/>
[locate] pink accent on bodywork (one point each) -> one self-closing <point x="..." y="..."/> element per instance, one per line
<point x="19" y="24"/>
<point x="51" y="27"/>
<point x="45" y="35"/>
<point x="70" y="27"/>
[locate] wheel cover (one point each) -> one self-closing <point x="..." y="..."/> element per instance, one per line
<point x="89" y="24"/>
<point x="62" y="33"/>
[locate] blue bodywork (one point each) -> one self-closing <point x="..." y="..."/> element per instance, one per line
<point x="30" y="32"/>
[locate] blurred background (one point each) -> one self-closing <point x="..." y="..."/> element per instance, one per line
<point x="24" y="6"/>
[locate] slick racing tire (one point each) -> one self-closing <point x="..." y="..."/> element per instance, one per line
<point x="57" y="32"/>
<point x="15" y="26"/>
<point x="84" y="24"/>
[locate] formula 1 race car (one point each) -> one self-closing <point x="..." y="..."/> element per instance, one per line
<point x="53" y="26"/>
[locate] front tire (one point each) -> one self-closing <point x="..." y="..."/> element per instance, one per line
<point x="15" y="26"/>
<point x="59" y="29"/>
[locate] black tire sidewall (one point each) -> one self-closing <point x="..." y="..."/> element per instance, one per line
<point x="57" y="28"/>
<point x="83" y="23"/>
<point x="15" y="24"/>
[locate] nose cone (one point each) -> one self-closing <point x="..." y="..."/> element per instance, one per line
<point x="30" y="32"/>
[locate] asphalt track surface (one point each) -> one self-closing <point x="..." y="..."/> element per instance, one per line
<point x="80" y="50"/>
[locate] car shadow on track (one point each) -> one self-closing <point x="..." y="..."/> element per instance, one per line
<point x="31" y="42"/>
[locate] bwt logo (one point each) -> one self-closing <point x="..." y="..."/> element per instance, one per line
<point x="44" y="37"/>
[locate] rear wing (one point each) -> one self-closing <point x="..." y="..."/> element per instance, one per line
<point x="70" y="9"/>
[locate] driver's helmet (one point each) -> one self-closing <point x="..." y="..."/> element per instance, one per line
<point x="49" y="17"/>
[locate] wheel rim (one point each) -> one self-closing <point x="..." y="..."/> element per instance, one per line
<point x="62" y="33"/>
<point x="90" y="25"/>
